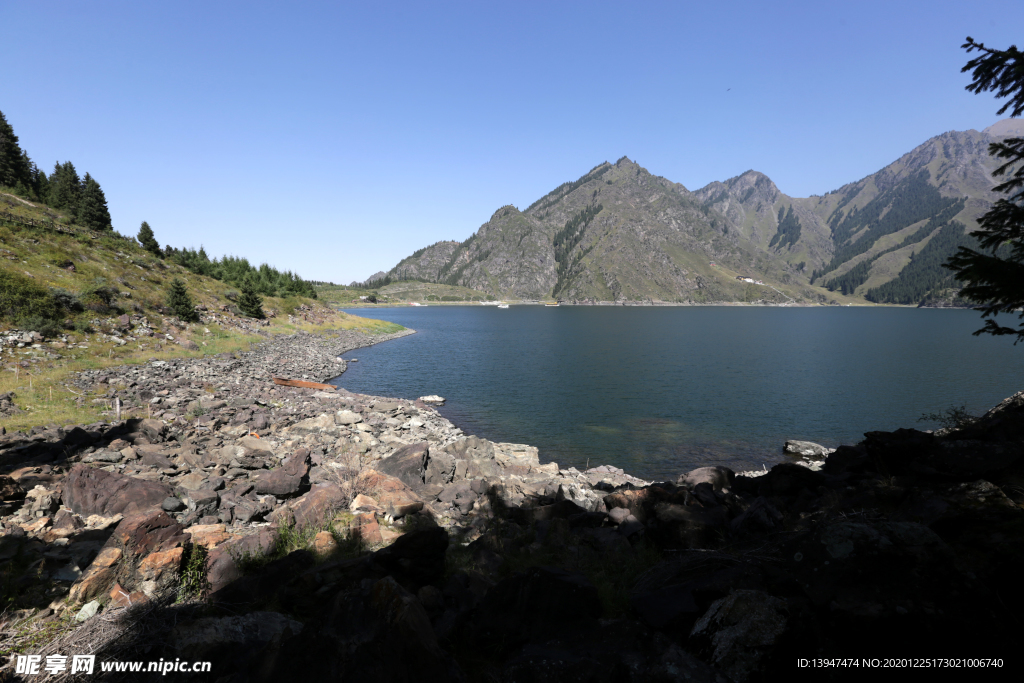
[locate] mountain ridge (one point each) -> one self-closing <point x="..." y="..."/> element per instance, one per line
<point x="621" y="233"/>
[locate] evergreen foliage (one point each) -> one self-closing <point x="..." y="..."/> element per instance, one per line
<point x="92" y="206"/>
<point x="789" y="230"/>
<point x="906" y="203"/>
<point x="566" y="240"/>
<point x="14" y="163"/>
<point x="859" y="274"/>
<point x="179" y="301"/>
<point x="267" y="280"/>
<point x="148" y="240"/>
<point x="249" y="302"/>
<point x="65" y="188"/>
<point x="925" y="272"/>
<point x="552" y="198"/>
<point x="996" y="279"/>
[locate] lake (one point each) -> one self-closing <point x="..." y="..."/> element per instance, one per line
<point x="660" y="391"/>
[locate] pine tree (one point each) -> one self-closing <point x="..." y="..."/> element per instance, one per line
<point x="148" y="240"/>
<point x="65" y="188"/>
<point x="249" y="302"/>
<point x="13" y="168"/>
<point x="179" y="301"/>
<point x="996" y="279"/>
<point x="92" y="206"/>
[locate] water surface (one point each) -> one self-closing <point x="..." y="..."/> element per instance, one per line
<point x="658" y="391"/>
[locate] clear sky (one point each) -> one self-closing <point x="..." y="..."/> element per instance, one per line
<point x="335" y="138"/>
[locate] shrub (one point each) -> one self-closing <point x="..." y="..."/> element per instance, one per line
<point x="100" y="297"/>
<point x="952" y="418"/>
<point x="21" y="299"/>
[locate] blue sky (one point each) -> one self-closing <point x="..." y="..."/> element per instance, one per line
<point x="334" y="138"/>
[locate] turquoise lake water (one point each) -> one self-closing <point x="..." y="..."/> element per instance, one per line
<point x="659" y="391"/>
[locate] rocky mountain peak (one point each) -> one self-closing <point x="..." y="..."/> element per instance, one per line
<point x="1006" y="128"/>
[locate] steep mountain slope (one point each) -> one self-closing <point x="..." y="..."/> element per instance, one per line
<point x="621" y="233"/>
<point x="617" y="233"/>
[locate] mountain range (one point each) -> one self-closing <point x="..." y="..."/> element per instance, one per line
<point x="620" y="233"/>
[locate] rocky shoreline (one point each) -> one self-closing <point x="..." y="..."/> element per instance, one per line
<point x="354" y="536"/>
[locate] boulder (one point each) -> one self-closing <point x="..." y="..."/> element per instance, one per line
<point x="347" y="417"/>
<point x="408" y="463"/>
<point x="90" y="491"/>
<point x="806" y="449"/>
<point x="718" y="477"/>
<point x="287" y="480"/>
<point x="740" y="631"/>
<point x="440" y="468"/>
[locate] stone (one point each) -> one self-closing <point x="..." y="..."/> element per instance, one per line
<point x="203" y="501"/>
<point x="581" y="496"/>
<point x="191" y="481"/>
<point x="440" y="468"/>
<point x="362" y="501"/>
<point x="161" y="566"/>
<point x="119" y="597"/>
<point x="90" y="491"/>
<point x="407" y="463"/>
<point x="172" y="504"/>
<point x="347" y="417"/>
<point x="287" y="480"/>
<point x="88" y="611"/>
<point x="208" y="535"/>
<point x="10" y="489"/>
<point x="314" y="425"/>
<point x="318" y="506"/>
<point x="741" y="631"/>
<point x="324" y="543"/>
<point x="806" y="449"/>
<point x="97" y="576"/>
<point x="366" y="529"/>
<point x="618" y="515"/>
<point x="719" y="477"/>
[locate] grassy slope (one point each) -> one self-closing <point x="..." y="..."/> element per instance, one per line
<point x="38" y="375"/>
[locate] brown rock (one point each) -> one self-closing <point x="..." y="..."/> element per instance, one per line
<point x="363" y="501"/>
<point x="97" y="577"/>
<point x="318" y="506"/>
<point x="324" y="543"/>
<point x="366" y="529"/>
<point x="119" y="597"/>
<point x="91" y="491"/>
<point x="222" y="564"/>
<point x="400" y="503"/>
<point x="161" y="565"/>
<point x="208" y="535"/>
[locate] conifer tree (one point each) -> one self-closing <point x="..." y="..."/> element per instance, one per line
<point x="65" y="188"/>
<point x="92" y="206"/>
<point x="249" y="302"/>
<point x="996" y="279"/>
<point x="148" y="240"/>
<point x="13" y="168"/>
<point x="179" y="301"/>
